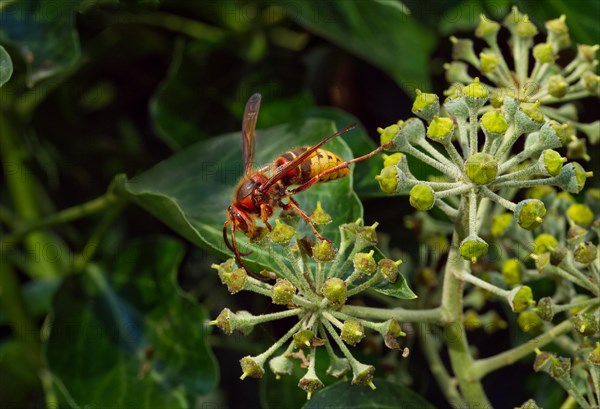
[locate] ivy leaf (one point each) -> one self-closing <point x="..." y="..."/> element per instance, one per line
<point x="44" y="32"/>
<point x="388" y="395"/>
<point x="191" y="190"/>
<point x="380" y="32"/>
<point x="6" y="66"/>
<point x="130" y="337"/>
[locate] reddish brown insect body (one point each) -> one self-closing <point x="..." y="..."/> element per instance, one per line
<point x="260" y="192"/>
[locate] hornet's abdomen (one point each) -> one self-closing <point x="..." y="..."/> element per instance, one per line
<point x="320" y="161"/>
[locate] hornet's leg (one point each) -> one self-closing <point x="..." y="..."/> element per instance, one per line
<point x="238" y="257"/>
<point x="265" y="213"/>
<point x="292" y="204"/>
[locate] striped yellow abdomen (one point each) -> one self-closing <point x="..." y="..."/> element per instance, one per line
<point x="320" y="161"/>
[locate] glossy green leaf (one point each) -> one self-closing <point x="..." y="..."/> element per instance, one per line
<point x="44" y="32"/>
<point x="380" y="32"/>
<point x="6" y="66"/>
<point x="128" y="336"/>
<point x="388" y="395"/>
<point x="191" y="190"/>
<point x="399" y="289"/>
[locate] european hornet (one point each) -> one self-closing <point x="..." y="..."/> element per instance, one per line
<point x="259" y="192"/>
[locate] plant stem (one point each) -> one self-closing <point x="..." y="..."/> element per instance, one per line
<point x="446" y="383"/>
<point x="64" y="216"/>
<point x="21" y="321"/>
<point x="458" y="348"/>
<point x="436" y="316"/>
<point x="482" y="367"/>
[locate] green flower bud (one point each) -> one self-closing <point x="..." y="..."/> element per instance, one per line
<point x="576" y="234"/>
<point x="393" y="332"/>
<point x="352" y="332"/>
<point x="403" y="134"/>
<point x="487" y="29"/>
<point x="335" y="290"/>
<point x="525" y="28"/>
<point x="521" y="298"/>
<point x="440" y="129"/>
<point x="389" y="269"/>
<point x="472" y="248"/>
<point x="302" y="339"/>
<point x="557" y="86"/>
<point x="501" y="223"/>
<point x="481" y="168"/>
<point x="283" y="291"/>
<point x="251" y="366"/>
<point x="512" y="19"/>
<point x="577" y="149"/>
<point x="223" y="321"/>
<point x="544" y="309"/>
<point x="552" y="162"/>
<point x="388" y="133"/>
<point x="457" y="72"/>
<point x="530" y="404"/>
<point x="456" y="105"/>
<point x="581" y="214"/>
<point x="530" y="213"/>
<point x="234" y="280"/>
<point x="471" y="320"/>
<point x="427" y="277"/>
<point x="512" y="271"/>
<point x="587" y="52"/>
<point x="544" y="53"/>
<point x="585" y="253"/>
<point x="323" y="251"/>
<point x="320" y="216"/>
<point x="422" y="197"/>
<point x="591" y="82"/>
<point x="559" y="130"/>
<point x="365" y="263"/>
<point x="462" y="49"/>
<point x="225" y="267"/>
<point x="281" y="233"/>
<point x="543" y="361"/>
<point x="529" y="322"/>
<point x="585" y="323"/>
<point x="572" y="178"/>
<point x="310" y="383"/>
<point x="393" y="159"/>
<point x="558" y="33"/>
<point x="510" y="104"/>
<point x="366" y="235"/>
<point x="559" y="366"/>
<point x="281" y="365"/>
<point x="544" y="243"/>
<point x="529" y="117"/>
<point x="476" y="95"/>
<point x="338" y="367"/>
<point x="363" y="374"/>
<point x="388" y="179"/>
<point x="426" y="106"/>
<point x="488" y="62"/>
<point x="494" y="124"/>
<point x="594" y="356"/>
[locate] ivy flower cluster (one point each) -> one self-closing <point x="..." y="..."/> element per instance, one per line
<point x="313" y="284"/>
<point x="546" y="82"/>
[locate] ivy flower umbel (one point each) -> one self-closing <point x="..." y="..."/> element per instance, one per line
<point x="314" y="283"/>
<point x="480" y="172"/>
<point x="546" y="82"/>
